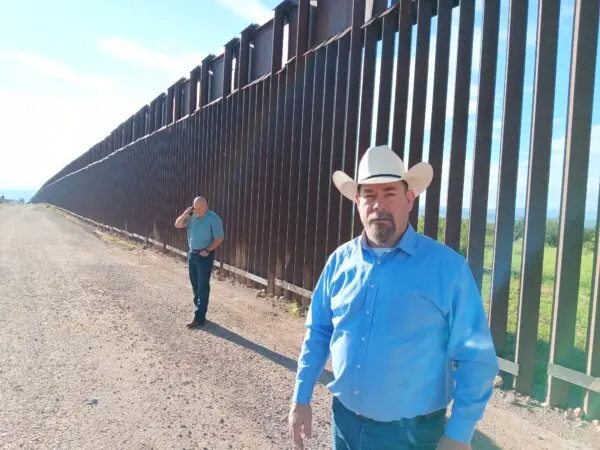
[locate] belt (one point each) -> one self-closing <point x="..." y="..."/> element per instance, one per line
<point x="424" y="418"/>
<point x="200" y="251"/>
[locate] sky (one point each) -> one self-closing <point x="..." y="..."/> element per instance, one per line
<point x="72" y="71"/>
<point x="560" y="110"/>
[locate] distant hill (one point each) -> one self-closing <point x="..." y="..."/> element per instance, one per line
<point x="553" y="214"/>
<point x="16" y="194"/>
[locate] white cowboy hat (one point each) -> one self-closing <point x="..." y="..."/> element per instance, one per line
<point x="381" y="165"/>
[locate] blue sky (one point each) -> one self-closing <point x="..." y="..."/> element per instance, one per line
<point x="560" y="110"/>
<point x="72" y="71"/>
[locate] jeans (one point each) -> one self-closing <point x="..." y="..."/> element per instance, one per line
<point x="200" y="269"/>
<point x="353" y="432"/>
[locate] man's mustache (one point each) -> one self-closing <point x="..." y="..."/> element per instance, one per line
<point x="381" y="216"/>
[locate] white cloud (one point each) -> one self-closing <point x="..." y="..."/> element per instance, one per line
<point x="595" y="140"/>
<point x="555" y="176"/>
<point x="176" y="62"/>
<point x="65" y="127"/>
<point x="557" y="167"/>
<point x="476" y="48"/>
<point x="61" y="124"/>
<point x="56" y="69"/>
<point x="532" y="35"/>
<point x="567" y="10"/>
<point x="453" y="60"/>
<point x="451" y="78"/>
<point x="450" y="102"/>
<point x="252" y="10"/>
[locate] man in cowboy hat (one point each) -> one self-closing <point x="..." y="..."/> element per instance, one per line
<point x="404" y="323"/>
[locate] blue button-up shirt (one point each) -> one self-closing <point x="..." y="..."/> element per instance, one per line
<point x="407" y="333"/>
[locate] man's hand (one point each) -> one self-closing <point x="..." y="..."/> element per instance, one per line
<point x="182" y="220"/>
<point x="204" y="253"/>
<point x="447" y="443"/>
<point x="300" y="421"/>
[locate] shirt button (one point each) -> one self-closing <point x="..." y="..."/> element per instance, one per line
<point x="368" y="312"/>
<point x="358" y="366"/>
<point x="355" y="392"/>
<point x="372" y="286"/>
<point x="362" y="339"/>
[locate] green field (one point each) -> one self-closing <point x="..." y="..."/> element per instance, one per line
<point x="547" y="296"/>
<point x="547" y="290"/>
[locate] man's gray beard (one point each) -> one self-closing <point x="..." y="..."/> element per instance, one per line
<point x="381" y="233"/>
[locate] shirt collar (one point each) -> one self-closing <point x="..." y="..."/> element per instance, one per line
<point x="407" y="243"/>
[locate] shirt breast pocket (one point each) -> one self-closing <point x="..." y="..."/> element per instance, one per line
<point x="340" y="305"/>
<point x="345" y="292"/>
<point x="413" y="315"/>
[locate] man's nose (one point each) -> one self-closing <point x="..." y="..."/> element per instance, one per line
<point x="378" y="203"/>
<point x="378" y="206"/>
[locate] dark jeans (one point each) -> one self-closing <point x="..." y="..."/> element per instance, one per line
<point x="353" y="432"/>
<point x="200" y="269"/>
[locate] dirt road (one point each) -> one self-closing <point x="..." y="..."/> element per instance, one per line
<point x="94" y="354"/>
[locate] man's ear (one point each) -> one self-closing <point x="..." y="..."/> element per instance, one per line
<point x="410" y="196"/>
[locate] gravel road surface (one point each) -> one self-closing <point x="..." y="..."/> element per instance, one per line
<point x="94" y="354"/>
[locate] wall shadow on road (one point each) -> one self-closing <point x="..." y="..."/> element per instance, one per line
<point x="480" y="440"/>
<point x="277" y="358"/>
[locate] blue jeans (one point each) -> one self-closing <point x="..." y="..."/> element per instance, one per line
<point x="200" y="269"/>
<point x="353" y="432"/>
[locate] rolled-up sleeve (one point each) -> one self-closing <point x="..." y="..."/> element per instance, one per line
<point x="217" y="229"/>
<point x="472" y="348"/>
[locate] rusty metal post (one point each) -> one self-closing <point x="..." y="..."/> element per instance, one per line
<point x="352" y="108"/>
<point x="575" y="175"/>
<point x="438" y="117"/>
<point x="194" y="79"/>
<point x="170" y="103"/>
<point x="417" y="126"/>
<point x="243" y="63"/>
<point x="507" y="176"/>
<point x="228" y="65"/>
<point x="271" y="181"/>
<point x="592" y="399"/>
<point x="460" y="124"/>
<point x="483" y="139"/>
<point x="205" y="80"/>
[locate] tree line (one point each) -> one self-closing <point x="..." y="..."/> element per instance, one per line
<point x="551" y="237"/>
